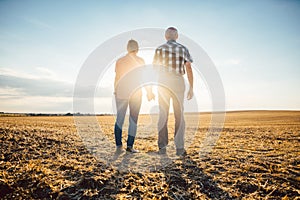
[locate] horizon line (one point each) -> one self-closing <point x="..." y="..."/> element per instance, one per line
<point x="107" y="114"/>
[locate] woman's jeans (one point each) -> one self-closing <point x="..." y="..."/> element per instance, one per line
<point x="134" y="108"/>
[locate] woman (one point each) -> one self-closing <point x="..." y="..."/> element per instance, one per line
<point x="124" y="65"/>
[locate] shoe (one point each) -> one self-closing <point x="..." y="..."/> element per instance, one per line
<point x="162" y="151"/>
<point x="181" y="152"/>
<point x="119" y="150"/>
<point x="132" y="150"/>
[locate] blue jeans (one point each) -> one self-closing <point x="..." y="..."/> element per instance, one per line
<point x="134" y="108"/>
<point x="173" y="88"/>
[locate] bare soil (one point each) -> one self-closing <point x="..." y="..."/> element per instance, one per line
<point x="257" y="156"/>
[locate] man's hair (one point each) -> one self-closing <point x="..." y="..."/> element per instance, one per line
<point x="171" y="33"/>
<point x="132" y="46"/>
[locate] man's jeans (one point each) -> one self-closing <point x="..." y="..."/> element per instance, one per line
<point x="174" y="88"/>
<point x="134" y="109"/>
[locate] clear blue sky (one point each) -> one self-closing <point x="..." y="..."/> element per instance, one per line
<point x="254" y="44"/>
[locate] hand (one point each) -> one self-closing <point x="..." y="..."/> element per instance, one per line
<point x="190" y="94"/>
<point x="150" y="96"/>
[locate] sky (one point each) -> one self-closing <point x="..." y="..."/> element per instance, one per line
<point x="255" y="46"/>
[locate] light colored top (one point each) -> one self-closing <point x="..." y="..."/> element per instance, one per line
<point x="125" y="64"/>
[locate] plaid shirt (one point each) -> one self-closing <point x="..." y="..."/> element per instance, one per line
<point x="172" y="56"/>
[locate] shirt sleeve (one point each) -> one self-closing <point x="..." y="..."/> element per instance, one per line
<point x="188" y="57"/>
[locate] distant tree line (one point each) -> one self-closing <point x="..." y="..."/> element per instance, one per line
<point x="52" y="114"/>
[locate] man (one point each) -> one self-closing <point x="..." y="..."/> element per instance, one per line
<point x="124" y="65"/>
<point x="172" y="59"/>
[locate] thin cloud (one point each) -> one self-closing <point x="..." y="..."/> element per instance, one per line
<point x="14" y="83"/>
<point x="9" y="92"/>
<point x="47" y="73"/>
<point x="9" y="72"/>
<point x="40" y="73"/>
<point x="36" y="87"/>
<point x="28" y="104"/>
<point x="38" y="23"/>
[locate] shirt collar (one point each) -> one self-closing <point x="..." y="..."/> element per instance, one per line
<point x="171" y="41"/>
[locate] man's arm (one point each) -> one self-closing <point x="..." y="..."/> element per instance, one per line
<point x="190" y="77"/>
